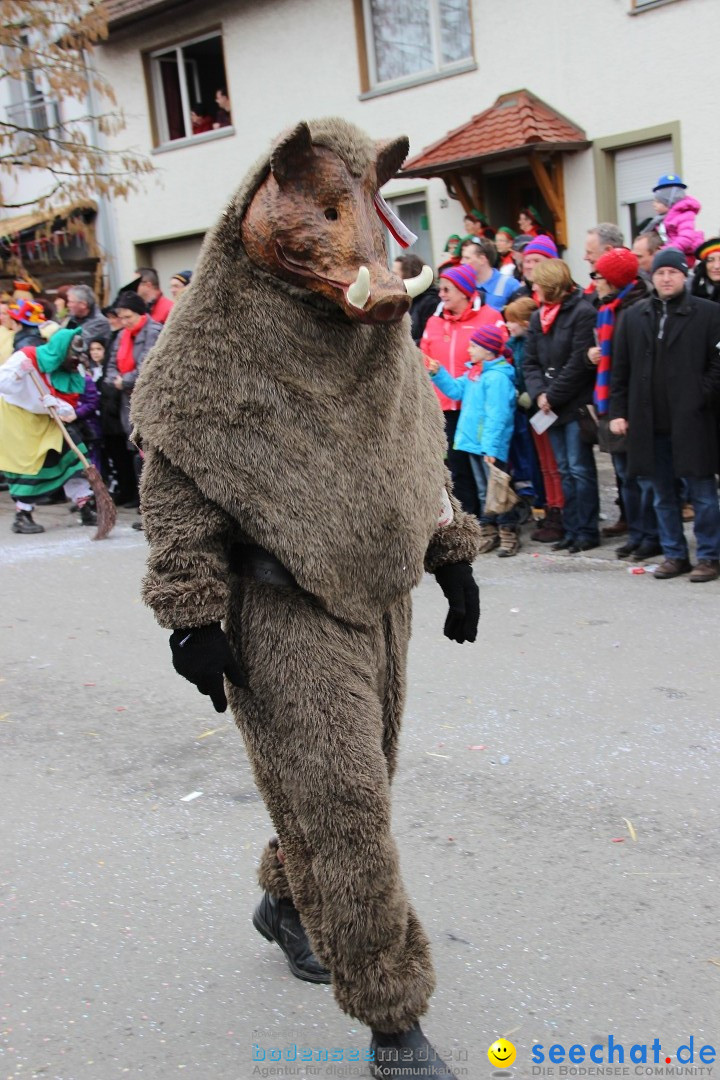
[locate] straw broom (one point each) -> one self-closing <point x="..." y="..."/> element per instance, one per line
<point x="104" y="506"/>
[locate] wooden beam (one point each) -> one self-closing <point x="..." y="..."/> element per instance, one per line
<point x="477" y="191"/>
<point x="559" y="185"/>
<point x="552" y="197"/>
<point x="461" y="191"/>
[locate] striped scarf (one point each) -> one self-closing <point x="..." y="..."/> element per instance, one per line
<point x="605" y="330"/>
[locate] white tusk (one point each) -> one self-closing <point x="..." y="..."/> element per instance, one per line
<point x="416" y="285"/>
<point x="359" y="291"/>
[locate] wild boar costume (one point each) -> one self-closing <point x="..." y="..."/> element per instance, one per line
<point x="292" y="489"/>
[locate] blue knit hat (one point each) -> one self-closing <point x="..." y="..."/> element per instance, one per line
<point x="492" y="339"/>
<point x="462" y="277"/>
<point x="542" y="245"/>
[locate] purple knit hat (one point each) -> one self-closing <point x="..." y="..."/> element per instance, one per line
<point x="492" y="339"/>
<point x="542" y="245"/>
<point x="462" y="277"/>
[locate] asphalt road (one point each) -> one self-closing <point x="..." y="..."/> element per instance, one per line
<point x="556" y="808"/>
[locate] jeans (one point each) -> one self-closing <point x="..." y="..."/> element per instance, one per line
<point x="576" y="462"/>
<point x="480" y="473"/>
<point x="458" y="463"/>
<point x="638" y="504"/>
<point x="703" y="495"/>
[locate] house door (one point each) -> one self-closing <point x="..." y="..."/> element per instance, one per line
<point x="507" y="193"/>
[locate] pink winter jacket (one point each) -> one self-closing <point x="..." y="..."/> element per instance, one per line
<point x="679" y="224"/>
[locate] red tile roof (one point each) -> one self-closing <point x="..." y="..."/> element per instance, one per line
<point x="516" y="122"/>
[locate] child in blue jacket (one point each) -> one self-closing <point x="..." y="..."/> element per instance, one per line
<point x="486" y="423"/>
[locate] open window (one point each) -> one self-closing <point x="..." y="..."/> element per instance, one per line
<point x="185" y="80"/>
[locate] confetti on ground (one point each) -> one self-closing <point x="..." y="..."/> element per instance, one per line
<point x="618" y="839"/>
<point x="4" y="715"/>
<point x="713" y="960"/>
<point x="514" y="610"/>
<point x="89" y="684"/>
<point x="631" y="830"/>
<point x="207" y="734"/>
<point x="94" y="733"/>
<point x="477" y="747"/>
<point x="636" y="569"/>
<point x="120" y="708"/>
<point x="430" y="754"/>
<point x="191" y="796"/>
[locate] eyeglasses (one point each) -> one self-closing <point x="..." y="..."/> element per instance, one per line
<point x="594" y="274"/>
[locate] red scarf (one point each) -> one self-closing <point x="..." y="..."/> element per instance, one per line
<point x="548" y="315"/>
<point x="125" y="358"/>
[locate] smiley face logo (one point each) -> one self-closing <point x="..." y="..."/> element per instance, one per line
<point x="502" y="1053"/>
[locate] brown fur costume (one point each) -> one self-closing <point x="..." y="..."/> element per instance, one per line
<point x="267" y="415"/>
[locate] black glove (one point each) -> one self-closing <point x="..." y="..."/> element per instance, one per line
<point x="457" y="582"/>
<point x="202" y="656"/>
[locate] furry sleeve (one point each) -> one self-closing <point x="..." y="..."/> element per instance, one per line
<point x="186" y="583"/>
<point x="456" y="542"/>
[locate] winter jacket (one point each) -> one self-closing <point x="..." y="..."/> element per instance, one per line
<point x="516" y="345"/>
<point x="556" y="363"/>
<point x="487" y="413"/>
<point x="87" y="410"/>
<point x="142" y="345"/>
<point x="679" y="225"/>
<point x="447" y="337"/>
<point x="422" y="307"/>
<point x="94" y="325"/>
<point x="691" y="337"/>
<point x="160" y="309"/>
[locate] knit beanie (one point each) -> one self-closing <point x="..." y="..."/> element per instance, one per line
<point x="462" y="277"/>
<point x="707" y="247"/>
<point x="131" y="302"/>
<point x="182" y="275"/>
<point x="670" y="257"/>
<point x="492" y="339"/>
<point x="619" y="267"/>
<point x="542" y="245"/>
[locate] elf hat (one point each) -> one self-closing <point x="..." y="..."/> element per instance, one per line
<point x="619" y="267"/>
<point x="462" y="277"/>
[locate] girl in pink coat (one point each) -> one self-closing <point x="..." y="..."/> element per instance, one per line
<point x="676" y="212"/>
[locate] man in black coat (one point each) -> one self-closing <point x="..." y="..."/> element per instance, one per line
<point x="664" y="396"/>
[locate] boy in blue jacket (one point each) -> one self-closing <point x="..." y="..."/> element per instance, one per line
<point x="485" y="427"/>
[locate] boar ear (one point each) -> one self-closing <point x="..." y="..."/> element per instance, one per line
<point x="390" y="156"/>
<point x="292" y="154"/>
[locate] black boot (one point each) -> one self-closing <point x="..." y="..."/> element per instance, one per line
<point x="406" y="1054"/>
<point x="278" y="920"/>
<point x="87" y="513"/>
<point x="24" y="523"/>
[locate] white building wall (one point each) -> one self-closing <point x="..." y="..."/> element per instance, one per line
<point x="608" y="71"/>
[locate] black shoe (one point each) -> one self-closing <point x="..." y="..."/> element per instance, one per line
<point x="583" y="545"/>
<point x="406" y="1054"/>
<point x="24" y="523"/>
<point x="87" y="513"/>
<point x="563" y="545"/>
<point x="648" y="551"/>
<point x="137" y="526"/>
<point x="53" y="497"/>
<point x="279" y="921"/>
<point x="628" y="549"/>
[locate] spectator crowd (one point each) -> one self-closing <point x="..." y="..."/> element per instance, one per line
<point x="532" y="372"/>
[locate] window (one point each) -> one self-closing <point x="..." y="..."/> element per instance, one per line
<point x="412" y="211"/>
<point x="185" y="81"/>
<point x="407" y="40"/>
<point x="637" y="169"/>
<point x="30" y="108"/>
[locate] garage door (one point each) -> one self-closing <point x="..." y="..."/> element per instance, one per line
<point x="637" y="170"/>
<point x="169" y="256"/>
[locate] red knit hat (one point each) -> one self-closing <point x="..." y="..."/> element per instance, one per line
<point x="619" y="267"/>
<point x="462" y="277"/>
<point x="492" y="339"/>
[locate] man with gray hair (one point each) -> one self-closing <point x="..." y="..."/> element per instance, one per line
<point x="85" y="313"/>
<point x="602" y="238"/>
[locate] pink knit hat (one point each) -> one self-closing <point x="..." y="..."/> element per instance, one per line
<point x="542" y="245"/>
<point x="462" y="277"/>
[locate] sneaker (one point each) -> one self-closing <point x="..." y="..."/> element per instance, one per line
<point x="24" y="523"/>
<point x="87" y="513"/>
<point x="671" y="568"/>
<point x="706" y="570"/>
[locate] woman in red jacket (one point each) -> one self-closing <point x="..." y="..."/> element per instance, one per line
<point x="446" y="338"/>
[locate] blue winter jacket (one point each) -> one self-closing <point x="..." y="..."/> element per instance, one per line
<point x="487" y="410"/>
